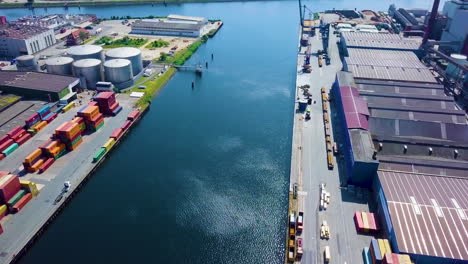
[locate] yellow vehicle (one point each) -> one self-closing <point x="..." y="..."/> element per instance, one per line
<point x="324" y="230"/>
<point x="326" y="254"/>
<point x="330" y="160"/>
<point x="291" y="254"/>
<point x="292" y="224"/>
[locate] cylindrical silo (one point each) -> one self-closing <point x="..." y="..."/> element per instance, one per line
<point x="85" y="52"/>
<point x="27" y="63"/>
<point x="89" y="71"/>
<point x="60" y="65"/>
<point x="131" y="54"/>
<point x="452" y="70"/>
<point x="118" y="70"/>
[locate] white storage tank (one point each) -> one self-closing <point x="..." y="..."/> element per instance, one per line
<point x="60" y="65"/>
<point x="27" y="63"/>
<point x="452" y="70"/>
<point x="129" y="53"/>
<point x="118" y="70"/>
<point x="85" y="52"/>
<point x="89" y="71"/>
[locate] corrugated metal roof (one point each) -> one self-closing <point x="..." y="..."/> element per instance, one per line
<point x="355" y="108"/>
<point x="379" y="41"/>
<point x="35" y="80"/>
<point x="160" y="24"/>
<point x="392" y="73"/>
<point x="428" y="213"/>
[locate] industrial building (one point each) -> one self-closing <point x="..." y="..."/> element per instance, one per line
<point x="89" y="71"/>
<point x="45" y="86"/>
<point x="173" y="25"/>
<point x="17" y="40"/>
<point x="128" y="53"/>
<point x="456" y="30"/>
<point x="57" y="21"/>
<point x="85" y="52"/>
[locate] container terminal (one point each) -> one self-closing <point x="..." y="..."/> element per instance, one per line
<point x="379" y="158"/>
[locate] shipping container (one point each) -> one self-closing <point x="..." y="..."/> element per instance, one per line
<point x="39" y="126"/>
<point x="21" y="203"/>
<point x="68" y="107"/>
<point x="371" y="220"/>
<point x="6" y="144"/>
<point x="2" y="156"/>
<point x="117" y="133"/>
<point x="358" y="221"/>
<point x="388" y="249"/>
<point x="9" y="186"/>
<point x="365" y="256"/>
<point x="38" y="164"/>
<point x="126" y="125"/>
<point x="46" y="165"/>
<point x="30" y="119"/>
<point x="74" y="146"/>
<point x="18" y="134"/>
<point x="99" y="154"/>
<point x="3" y="173"/>
<point x="365" y="222"/>
<point x="51" y="117"/>
<point x="404" y="259"/>
<point x="33" y="156"/>
<point x="3" y="211"/>
<point x="4" y="139"/>
<point x="133" y="115"/>
<point x="117" y="111"/>
<point x="43" y="110"/>
<point x="381" y="247"/>
<point x="395" y="258"/>
<point x="375" y="251"/>
<point x="89" y="112"/>
<point x="78" y="120"/>
<point x="98" y="126"/>
<point x="10" y="149"/>
<point x="16" y="198"/>
<point x="109" y="144"/>
<point x="24" y="138"/>
<point x="14" y="131"/>
<point x="388" y="259"/>
<point x="93" y="103"/>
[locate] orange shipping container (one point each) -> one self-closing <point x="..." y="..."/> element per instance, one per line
<point x="38" y="163"/>
<point x="36" y="153"/>
<point x="90" y="111"/>
<point x="52" y="145"/>
<point x="60" y="127"/>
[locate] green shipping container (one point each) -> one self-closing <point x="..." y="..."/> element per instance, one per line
<point x="16" y="198"/>
<point x="99" y="154"/>
<point x="76" y="140"/>
<point x="10" y="149"/>
<point x="31" y="131"/>
<point x="60" y="154"/>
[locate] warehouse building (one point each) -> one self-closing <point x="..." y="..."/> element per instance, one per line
<point x="173" y="25"/>
<point x="456" y="29"/>
<point x="387" y="65"/>
<point x="378" y="41"/>
<point x="45" y="86"/>
<point x="17" y="40"/>
<point x="409" y="140"/>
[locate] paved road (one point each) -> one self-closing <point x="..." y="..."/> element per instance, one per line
<point x="309" y="169"/>
<point x="72" y="167"/>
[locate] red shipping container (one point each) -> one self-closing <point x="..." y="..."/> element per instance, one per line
<point x="44" y="114"/>
<point x="4" y="173"/>
<point x="21" y="203"/>
<point x="371" y="220"/>
<point x="23" y="139"/>
<point x="46" y="165"/>
<point x="133" y="115"/>
<point x="96" y="118"/>
<point x="96" y="123"/>
<point x="388" y="259"/>
<point x="14" y="131"/>
<point x="93" y="103"/>
<point x="32" y="118"/>
<point x="6" y="144"/>
<point x="18" y="135"/>
<point x="4" y="139"/>
<point x="126" y="125"/>
<point x="117" y="133"/>
<point x="105" y="95"/>
<point x="2" y="156"/>
<point x="51" y="118"/>
<point x="10" y="186"/>
<point x="395" y="258"/>
<point x="358" y="221"/>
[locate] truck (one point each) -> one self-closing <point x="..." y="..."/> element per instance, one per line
<point x="326" y="254"/>
<point x="292" y="224"/>
<point x="291" y="254"/>
<point x="300" y="251"/>
<point x="300" y="222"/>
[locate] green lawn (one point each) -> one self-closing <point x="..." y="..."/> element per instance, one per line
<point x="152" y="87"/>
<point x="123" y="42"/>
<point x="181" y="56"/>
<point x="158" y="44"/>
<point x="6" y="100"/>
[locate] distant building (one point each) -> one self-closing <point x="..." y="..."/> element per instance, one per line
<point x="17" y="40"/>
<point x="378" y="41"/>
<point x="75" y="37"/>
<point x="37" y="85"/>
<point x="173" y="25"/>
<point x="3" y="20"/>
<point x="456" y="29"/>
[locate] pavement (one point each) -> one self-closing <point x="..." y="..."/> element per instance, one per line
<point x="309" y="169"/>
<point x="73" y="166"/>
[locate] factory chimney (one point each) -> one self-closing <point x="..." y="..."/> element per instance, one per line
<point x="430" y="23"/>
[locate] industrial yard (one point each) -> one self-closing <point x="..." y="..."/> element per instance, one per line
<point x="377" y="146"/>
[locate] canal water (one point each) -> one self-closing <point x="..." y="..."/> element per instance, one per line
<point x="204" y="177"/>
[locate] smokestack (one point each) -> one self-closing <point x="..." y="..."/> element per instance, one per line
<point x="430" y="23"/>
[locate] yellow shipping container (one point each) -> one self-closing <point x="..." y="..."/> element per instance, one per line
<point x="388" y="249"/>
<point x="30" y="187"/>
<point x="381" y="247"/>
<point x="365" y="221"/>
<point x="68" y="107"/>
<point x="3" y="208"/>
<point x="109" y="144"/>
<point x="404" y="259"/>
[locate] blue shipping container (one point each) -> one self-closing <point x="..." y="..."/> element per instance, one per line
<point x="116" y="111"/>
<point x="366" y="256"/>
<point x="43" y="110"/>
<point x="376" y="250"/>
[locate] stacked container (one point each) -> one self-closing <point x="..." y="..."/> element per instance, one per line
<point x="70" y="134"/>
<point x="92" y="117"/>
<point x="117" y="133"/>
<point x="44" y="111"/>
<point x="50" y="117"/>
<point x="30" y="121"/>
<point x="375" y="251"/>
<point x="366" y="256"/>
<point x="133" y="115"/>
<point x="30" y="186"/>
<point x="12" y="196"/>
<point x="366" y="222"/>
<point x="107" y="103"/>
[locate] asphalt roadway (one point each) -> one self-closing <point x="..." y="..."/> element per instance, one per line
<point x="73" y="167"/>
<point x="309" y="169"/>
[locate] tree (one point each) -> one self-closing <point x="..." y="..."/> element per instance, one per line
<point x="163" y="56"/>
<point x="83" y="35"/>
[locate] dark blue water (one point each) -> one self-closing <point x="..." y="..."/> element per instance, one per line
<point x="204" y="177"/>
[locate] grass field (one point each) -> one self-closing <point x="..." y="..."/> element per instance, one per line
<point x="6" y="100"/>
<point x="152" y="87"/>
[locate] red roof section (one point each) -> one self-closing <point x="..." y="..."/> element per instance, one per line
<point x="355" y="108"/>
<point x="76" y="33"/>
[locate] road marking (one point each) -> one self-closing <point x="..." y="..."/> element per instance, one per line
<point x="302" y="193"/>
